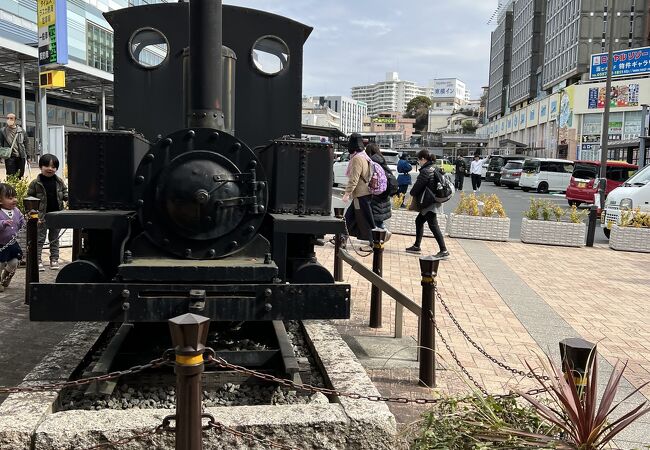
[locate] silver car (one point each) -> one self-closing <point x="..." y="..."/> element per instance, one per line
<point x="511" y="173"/>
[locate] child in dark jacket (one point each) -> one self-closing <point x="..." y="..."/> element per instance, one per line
<point x="11" y="221"/>
<point x="52" y="192"/>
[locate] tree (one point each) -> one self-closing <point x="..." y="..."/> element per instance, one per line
<point x="469" y="127"/>
<point x="484" y="99"/>
<point x="418" y="109"/>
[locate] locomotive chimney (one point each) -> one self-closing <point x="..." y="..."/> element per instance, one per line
<point x="205" y="65"/>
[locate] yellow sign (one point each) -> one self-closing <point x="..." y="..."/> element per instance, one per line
<point x="52" y="79"/>
<point x="46" y="13"/>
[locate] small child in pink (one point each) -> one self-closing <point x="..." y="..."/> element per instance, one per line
<point x="11" y="221"/>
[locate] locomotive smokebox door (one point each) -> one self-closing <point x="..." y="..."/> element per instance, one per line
<point x="201" y="194"/>
<point x="300" y="177"/>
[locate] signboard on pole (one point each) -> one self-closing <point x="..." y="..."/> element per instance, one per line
<point x="52" y="20"/>
<point x="634" y="61"/>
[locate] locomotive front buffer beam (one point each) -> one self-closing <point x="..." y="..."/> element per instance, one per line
<point x="126" y="302"/>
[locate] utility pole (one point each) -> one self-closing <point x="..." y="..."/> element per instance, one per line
<point x="641" y="161"/>
<point x="604" y="137"/>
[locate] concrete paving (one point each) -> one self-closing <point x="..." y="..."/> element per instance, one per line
<point x="25" y="343"/>
<point x="517" y="301"/>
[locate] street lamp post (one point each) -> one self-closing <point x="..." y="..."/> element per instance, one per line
<point x="604" y="137"/>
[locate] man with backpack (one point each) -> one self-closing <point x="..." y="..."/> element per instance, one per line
<point x="461" y="169"/>
<point x="381" y="203"/>
<point x="430" y="190"/>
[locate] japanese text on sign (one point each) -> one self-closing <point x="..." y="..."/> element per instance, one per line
<point x="634" y="61"/>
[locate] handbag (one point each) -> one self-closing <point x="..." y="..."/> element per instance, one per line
<point x="6" y="152"/>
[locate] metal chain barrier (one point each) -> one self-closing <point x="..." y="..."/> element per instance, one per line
<point x="49" y="242"/>
<point x="355" y="396"/>
<point x="466" y="372"/>
<point x="359" y="251"/>
<point x="221" y="428"/>
<point x="481" y="350"/>
<point x="159" y="429"/>
<point x="154" y="364"/>
<point x="14" y="237"/>
<point x="314" y="389"/>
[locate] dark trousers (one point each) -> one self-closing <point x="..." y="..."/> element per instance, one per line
<point x="460" y="179"/>
<point x="432" y="220"/>
<point x="476" y="181"/>
<point x="362" y="217"/>
<point x="15" y="166"/>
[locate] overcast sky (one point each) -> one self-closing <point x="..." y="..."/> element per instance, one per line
<point x="356" y="42"/>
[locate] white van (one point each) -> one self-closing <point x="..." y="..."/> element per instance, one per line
<point x="545" y="175"/>
<point x="634" y="193"/>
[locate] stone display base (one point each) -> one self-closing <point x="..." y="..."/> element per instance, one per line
<point x="403" y="222"/>
<point x="630" y="239"/>
<point x="478" y="227"/>
<point x="27" y="421"/>
<point x="548" y="232"/>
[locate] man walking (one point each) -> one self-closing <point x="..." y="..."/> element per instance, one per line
<point x="13" y="136"/>
<point x="461" y="169"/>
<point x="475" y="171"/>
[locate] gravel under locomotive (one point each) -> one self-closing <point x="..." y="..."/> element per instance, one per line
<point x="179" y="212"/>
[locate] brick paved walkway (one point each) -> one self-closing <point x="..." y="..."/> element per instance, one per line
<point x="600" y="294"/>
<point x="23" y="343"/>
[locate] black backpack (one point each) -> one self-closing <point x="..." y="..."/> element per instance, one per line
<point x="438" y="190"/>
<point x="442" y="187"/>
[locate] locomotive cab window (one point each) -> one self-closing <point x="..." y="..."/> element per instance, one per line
<point x="148" y="48"/>
<point x="270" y="55"/>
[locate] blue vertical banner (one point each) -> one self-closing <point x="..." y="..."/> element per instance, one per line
<point x="52" y="21"/>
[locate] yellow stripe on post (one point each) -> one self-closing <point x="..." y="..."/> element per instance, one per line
<point x="183" y="360"/>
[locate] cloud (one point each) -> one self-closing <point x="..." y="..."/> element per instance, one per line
<point x="430" y="39"/>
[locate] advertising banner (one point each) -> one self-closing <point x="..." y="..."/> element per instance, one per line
<point x="622" y="96"/>
<point x="635" y="61"/>
<point x="52" y="25"/>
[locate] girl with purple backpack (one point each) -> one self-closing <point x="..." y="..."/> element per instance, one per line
<point x="359" y="212"/>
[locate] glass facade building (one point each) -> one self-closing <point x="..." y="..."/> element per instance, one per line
<point x="90" y="43"/>
<point x="500" y="54"/>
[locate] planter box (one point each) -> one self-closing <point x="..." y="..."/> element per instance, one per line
<point x="478" y="227"/>
<point x="403" y="222"/>
<point x="630" y="239"/>
<point x="548" y="232"/>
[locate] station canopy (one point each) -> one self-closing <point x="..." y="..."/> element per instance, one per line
<point x="83" y="83"/>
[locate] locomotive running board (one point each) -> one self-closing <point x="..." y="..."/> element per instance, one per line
<point x="125" y="302"/>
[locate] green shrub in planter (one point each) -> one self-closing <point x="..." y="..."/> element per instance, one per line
<point x="477" y="423"/>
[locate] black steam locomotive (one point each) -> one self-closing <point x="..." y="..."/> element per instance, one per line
<point x="200" y="200"/>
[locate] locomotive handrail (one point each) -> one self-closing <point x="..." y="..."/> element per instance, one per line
<point x="382" y="284"/>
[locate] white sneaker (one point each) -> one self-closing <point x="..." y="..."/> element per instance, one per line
<point x="388" y="235"/>
<point x="41" y="267"/>
<point x="54" y="265"/>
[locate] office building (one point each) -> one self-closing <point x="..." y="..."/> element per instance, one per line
<point x="351" y="112"/>
<point x="500" y="54"/>
<point x="392" y="94"/>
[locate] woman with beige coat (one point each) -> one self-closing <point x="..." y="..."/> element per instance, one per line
<point x="358" y="173"/>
